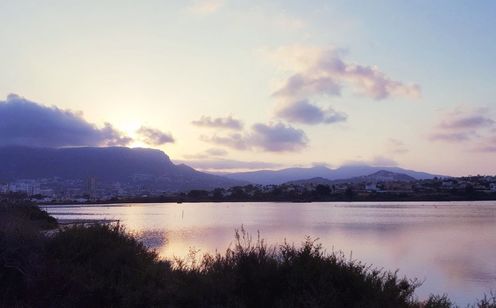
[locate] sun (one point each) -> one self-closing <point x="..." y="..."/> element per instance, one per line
<point x="130" y="129"/>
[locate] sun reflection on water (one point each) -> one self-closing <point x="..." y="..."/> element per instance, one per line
<point x="449" y="245"/>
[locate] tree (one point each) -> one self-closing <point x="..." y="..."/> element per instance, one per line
<point x="198" y="194"/>
<point x="322" y="190"/>
<point x="218" y="193"/>
<point x="349" y="193"/>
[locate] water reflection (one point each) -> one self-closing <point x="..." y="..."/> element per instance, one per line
<point x="450" y="245"/>
<point x="153" y="239"/>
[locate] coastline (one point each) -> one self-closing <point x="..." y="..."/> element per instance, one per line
<point x="212" y="200"/>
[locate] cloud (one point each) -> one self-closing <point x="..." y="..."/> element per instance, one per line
<point x="220" y="123"/>
<point x="396" y="146"/>
<point x="300" y="86"/>
<point x="467" y="122"/>
<point x="487" y="145"/>
<point x="321" y="164"/>
<point x="307" y="113"/>
<point x="216" y="152"/>
<point x="272" y="137"/>
<point x="113" y="137"/>
<point x="463" y="125"/>
<point x="235" y="141"/>
<point x="209" y="153"/>
<point x="321" y="71"/>
<point x="23" y="122"/>
<point x="206" y="7"/>
<point x="227" y="164"/>
<point x="376" y="161"/>
<point x="451" y="136"/>
<point x="278" y="137"/>
<point x="152" y="136"/>
<point x="486" y="148"/>
<point x="383" y="161"/>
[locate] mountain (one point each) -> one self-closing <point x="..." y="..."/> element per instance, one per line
<point x="312" y="181"/>
<point x="267" y="177"/>
<point x="379" y="176"/>
<point x="109" y="164"/>
<point x="384" y="176"/>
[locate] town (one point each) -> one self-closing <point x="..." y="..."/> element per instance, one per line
<point x="90" y="190"/>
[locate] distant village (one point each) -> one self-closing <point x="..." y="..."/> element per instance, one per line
<point x="89" y="190"/>
<point x="47" y="190"/>
<point x="463" y="188"/>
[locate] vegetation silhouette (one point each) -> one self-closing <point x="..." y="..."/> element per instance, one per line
<point x="103" y="265"/>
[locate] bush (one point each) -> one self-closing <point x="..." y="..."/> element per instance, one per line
<point x="255" y="275"/>
<point x="102" y="265"/>
<point x="23" y="213"/>
<point x="21" y="245"/>
<point x="488" y="301"/>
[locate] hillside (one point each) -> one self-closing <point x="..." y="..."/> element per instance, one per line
<point x="109" y="164"/>
<point x="294" y="174"/>
<point x="379" y="176"/>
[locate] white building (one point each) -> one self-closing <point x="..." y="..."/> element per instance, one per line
<point x="29" y="187"/>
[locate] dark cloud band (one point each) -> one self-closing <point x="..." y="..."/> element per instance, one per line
<point x="27" y="123"/>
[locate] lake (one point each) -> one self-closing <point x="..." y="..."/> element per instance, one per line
<point x="451" y="246"/>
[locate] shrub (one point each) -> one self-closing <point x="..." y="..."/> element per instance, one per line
<point x="24" y="213"/>
<point x="104" y="266"/>
<point x="252" y="274"/>
<point x="21" y="246"/>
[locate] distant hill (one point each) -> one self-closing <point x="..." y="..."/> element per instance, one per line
<point x="312" y="181"/>
<point x="293" y="174"/>
<point x="384" y="176"/>
<point x="379" y="176"/>
<point x="106" y="164"/>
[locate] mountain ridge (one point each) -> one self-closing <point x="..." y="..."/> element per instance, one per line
<point x="267" y="177"/>
<point x="107" y="164"/>
<point x="379" y="176"/>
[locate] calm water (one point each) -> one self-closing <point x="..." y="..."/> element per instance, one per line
<point x="450" y="245"/>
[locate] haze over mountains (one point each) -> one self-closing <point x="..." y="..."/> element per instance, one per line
<point x="154" y="169"/>
<point x="376" y="177"/>
<point x="294" y="174"/>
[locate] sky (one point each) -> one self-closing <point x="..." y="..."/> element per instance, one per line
<point x="243" y="85"/>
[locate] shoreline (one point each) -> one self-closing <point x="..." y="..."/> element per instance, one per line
<point x="87" y="256"/>
<point x="118" y="203"/>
